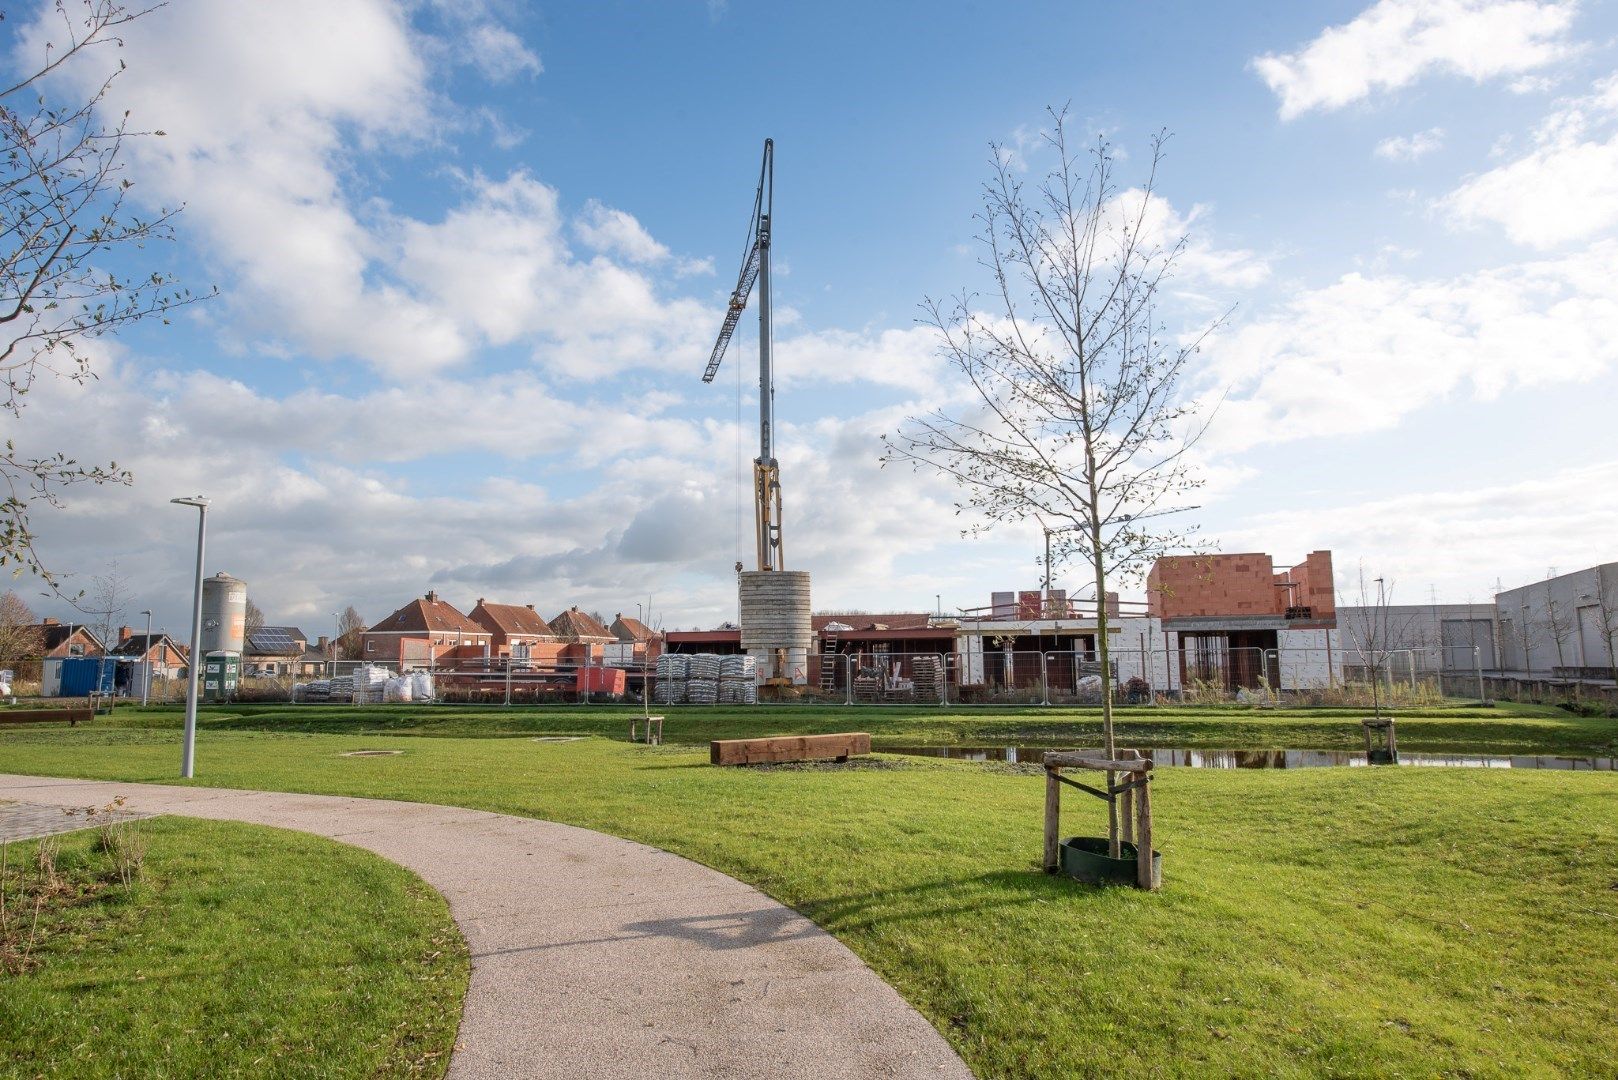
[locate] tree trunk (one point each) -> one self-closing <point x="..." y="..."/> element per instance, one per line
<point x="1104" y="655"/>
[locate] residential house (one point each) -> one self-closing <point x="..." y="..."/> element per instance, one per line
<point x="517" y="631"/>
<point x="68" y="639"/>
<point x="274" y="650"/>
<point x="166" y="656"/>
<point x="582" y="637"/>
<point x="636" y="644"/>
<point x="426" y="632"/>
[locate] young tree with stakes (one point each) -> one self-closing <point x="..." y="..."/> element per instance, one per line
<point x="1076" y="417"/>
<point x="64" y="221"/>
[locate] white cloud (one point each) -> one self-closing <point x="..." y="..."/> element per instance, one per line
<point x="1565" y="188"/>
<point x="617" y="233"/>
<point x="1393" y="43"/>
<point x="500" y="54"/>
<point x="1510" y="531"/>
<point x="1202" y="263"/>
<point x="1364" y="352"/>
<point x="1410" y="147"/>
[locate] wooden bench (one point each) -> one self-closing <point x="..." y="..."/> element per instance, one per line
<point x="46" y="716"/>
<point x="783" y="748"/>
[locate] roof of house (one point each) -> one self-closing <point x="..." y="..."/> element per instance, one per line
<point x="141" y="644"/>
<point x="511" y="619"/>
<point x="627" y="629"/>
<point x="427" y="615"/>
<point x="275" y="641"/>
<point x="575" y="625"/>
<point x="54" y="635"/>
<point x="864" y="620"/>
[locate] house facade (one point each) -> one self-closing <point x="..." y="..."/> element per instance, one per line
<point x="166" y="656"/>
<point x="425" y="633"/>
<point x="67" y="639"/>
<point x="584" y="640"/>
<point x="517" y="631"/>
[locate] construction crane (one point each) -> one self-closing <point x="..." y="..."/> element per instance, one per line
<point x="756" y="269"/>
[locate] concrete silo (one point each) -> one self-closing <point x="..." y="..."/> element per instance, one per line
<point x="224" y="614"/>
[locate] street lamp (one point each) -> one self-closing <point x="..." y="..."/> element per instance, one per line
<point x="146" y="683"/>
<point x="188" y="753"/>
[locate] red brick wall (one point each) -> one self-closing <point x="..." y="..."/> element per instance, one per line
<point x="1187" y="586"/>
<point x="1316" y="588"/>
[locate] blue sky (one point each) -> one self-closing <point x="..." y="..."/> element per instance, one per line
<point x="472" y="256"/>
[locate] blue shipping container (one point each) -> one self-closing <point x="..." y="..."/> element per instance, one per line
<point x="81" y="673"/>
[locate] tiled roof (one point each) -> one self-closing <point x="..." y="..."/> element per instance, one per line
<point x="627" y="629"/>
<point x="141" y="644"/>
<point x="427" y="615"/>
<point x="54" y="634"/>
<point x="575" y="625"/>
<point x="864" y="620"/>
<point x="511" y="619"/>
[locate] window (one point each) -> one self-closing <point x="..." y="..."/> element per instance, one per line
<point x="75" y="650"/>
<point x="370" y="646"/>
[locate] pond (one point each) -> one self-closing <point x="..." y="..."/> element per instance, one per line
<point x="1266" y="759"/>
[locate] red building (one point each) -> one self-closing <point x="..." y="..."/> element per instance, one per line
<point x="423" y="633"/>
<point x="517" y="631"/>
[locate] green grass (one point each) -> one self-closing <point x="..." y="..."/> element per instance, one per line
<point x="1326" y="921"/>
<point x="1503" y="729"/>
<point x="240" y="951"/>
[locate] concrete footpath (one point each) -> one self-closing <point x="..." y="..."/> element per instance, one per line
<point x="593" y="956"/>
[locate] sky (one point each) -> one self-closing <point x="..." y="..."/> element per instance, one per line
<point x="471" y="258"/>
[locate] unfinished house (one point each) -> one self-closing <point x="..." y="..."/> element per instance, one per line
<point x="1235" y="621"/>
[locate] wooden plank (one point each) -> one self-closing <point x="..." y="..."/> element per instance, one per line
<point x="1093" y="759"/>
<point x="1053" y="821"/>
<point x="783" y="748"/>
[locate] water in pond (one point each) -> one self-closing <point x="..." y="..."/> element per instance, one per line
<point x="1265" y="759"/>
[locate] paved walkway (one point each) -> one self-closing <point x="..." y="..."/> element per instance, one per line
<point x="593" y="956"/>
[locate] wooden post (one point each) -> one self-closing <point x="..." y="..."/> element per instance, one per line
<point x="1393" y="743"/>
<point x="1053" y="820"/>
<point x="1144" y="878"/>
<point x="1126" y="803"/>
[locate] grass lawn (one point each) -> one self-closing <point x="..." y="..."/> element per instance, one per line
<point x="1502" y="729"/>
<point x="1323" y="921"/>
<point x="240" y="951"/>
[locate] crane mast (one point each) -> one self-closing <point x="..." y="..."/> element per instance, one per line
<point x="756" y="270"/>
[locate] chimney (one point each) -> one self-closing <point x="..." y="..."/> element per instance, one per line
<point x="619" y="617"/>
<point x="124" y="633"/>
<point x="48" y="621"/>
<point x="432" y="596"/>
<point x="480" y="601"/>
<point x="322" y="642"/>
<point x="530" y="607"/>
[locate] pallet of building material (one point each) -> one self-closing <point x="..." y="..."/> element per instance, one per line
<point x="738" y="692"/>
<point x="705" y="666"/>
<point x="782" y="748"/>
<point x="928" y="676"/>
<point x="702" y="691"/>
<point x="867" y="689"/>
<point x="668" y="691"/>
<point x="738" y="666"/>
<point x="673" y="666"/>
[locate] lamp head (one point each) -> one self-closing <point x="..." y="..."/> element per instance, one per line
<point x="200" y="502"/>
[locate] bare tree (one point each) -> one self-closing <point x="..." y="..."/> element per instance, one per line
<point x="350" y="626"/>
<point x="252" y="619"/>
<point x="1375" y="633"/>
<point x="21" y="640"/>
<point x="106" y="601"/>
<point x="1076" y="418"/>
<point x="64" y="220"/>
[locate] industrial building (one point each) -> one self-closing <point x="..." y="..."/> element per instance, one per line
<point x="1565" y="626"/>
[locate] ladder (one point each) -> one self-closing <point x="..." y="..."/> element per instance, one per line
<point x="828" y="662"/>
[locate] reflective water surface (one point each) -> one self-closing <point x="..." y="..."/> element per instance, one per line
<point x="1266" y="759"/>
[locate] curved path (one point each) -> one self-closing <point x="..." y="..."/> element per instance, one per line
<point x="593" y="956"/>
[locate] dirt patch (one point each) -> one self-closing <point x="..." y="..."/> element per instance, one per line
<point x="370" y="753"/>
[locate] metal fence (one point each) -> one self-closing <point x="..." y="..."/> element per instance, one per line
<point x="1193" y="673"/>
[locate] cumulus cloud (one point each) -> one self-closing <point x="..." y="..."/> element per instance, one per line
<point x="1410" y="147"/>
<point x="1510" y="531"/>
<point x="1564" y="189"/>
<point x="1393" y="43"/>
<point x="1360" y="354"/>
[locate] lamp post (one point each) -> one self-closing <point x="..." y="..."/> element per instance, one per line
<point x="337" y="635"/>
<point x="146" y="683"/>
<point x="188" y="753"/>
